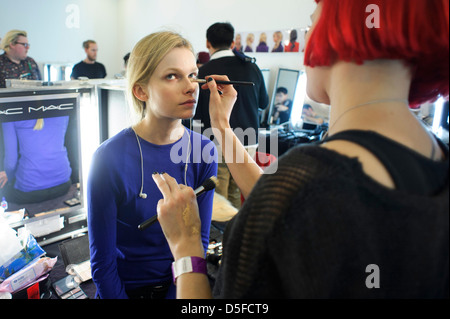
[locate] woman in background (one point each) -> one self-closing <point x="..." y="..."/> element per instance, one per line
<point x="278" y="39"/>
<point x="293" y="45"/>
<point x="364" y="214"/>
<point x="262" y="46"/>
<point x="127" y="262"/>
<point x="249" y="42"/>
<point x="36" y="162"/>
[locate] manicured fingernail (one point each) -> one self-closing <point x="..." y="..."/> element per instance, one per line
<point x="210" y="79"/>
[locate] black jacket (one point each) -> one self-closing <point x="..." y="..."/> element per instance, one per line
<point x="249" y="100"/>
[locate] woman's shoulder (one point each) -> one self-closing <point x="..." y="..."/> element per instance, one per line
<point x="312" y="157"/>
<point x="115" y="143"/>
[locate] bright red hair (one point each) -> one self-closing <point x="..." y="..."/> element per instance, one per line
<point x="416" y="31"/>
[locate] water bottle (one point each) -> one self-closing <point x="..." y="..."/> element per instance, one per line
<point x="4" y="204"/>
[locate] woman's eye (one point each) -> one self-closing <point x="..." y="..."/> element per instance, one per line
<point x="171" y="77"/>
<point x="193" y="76"/>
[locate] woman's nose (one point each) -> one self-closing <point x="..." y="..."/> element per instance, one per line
<point x="191" y="86"/>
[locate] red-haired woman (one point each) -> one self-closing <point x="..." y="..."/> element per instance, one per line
<point x="364" y="213"/>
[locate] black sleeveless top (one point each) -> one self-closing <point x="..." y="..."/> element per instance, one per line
<point x="400" y="161"/>
<point x="311" y="229"/>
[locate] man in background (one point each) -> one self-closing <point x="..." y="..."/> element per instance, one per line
<point x="283" y="106"/>
<point x="89" y="67"/>
<point x="245" y="114"/>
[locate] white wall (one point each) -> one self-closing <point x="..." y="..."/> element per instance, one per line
<point x="117" y="25"/>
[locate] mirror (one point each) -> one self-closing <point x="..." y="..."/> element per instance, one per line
<point x="40" y="154"/>
<point x="313" y="113"/>
<point x="266" y="77"/>
<point x="283" y="97"/>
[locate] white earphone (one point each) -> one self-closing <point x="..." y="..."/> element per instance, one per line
<point x="141" y="193"/>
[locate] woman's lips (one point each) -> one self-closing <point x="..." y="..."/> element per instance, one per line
<point x="189" y="103"/>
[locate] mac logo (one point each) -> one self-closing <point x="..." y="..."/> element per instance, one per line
<point x="13" y="111"/>
<point x="42" y="108"/>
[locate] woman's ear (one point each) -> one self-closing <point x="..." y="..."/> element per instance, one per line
<point x="140" y="93"/>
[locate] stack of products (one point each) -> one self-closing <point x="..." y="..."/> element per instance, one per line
<point x="22" y="261"/>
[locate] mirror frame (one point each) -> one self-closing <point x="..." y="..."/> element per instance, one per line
<point x="291" y="88"/>
<point x="44" y="104"/>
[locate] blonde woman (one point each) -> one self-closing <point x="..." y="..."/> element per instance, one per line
<point x="250" y="39"/>
<point x="15" y="62"/>
<point x="127" y="262"/>
<point x="278" y="38"/>
<point x="262" y="46"/>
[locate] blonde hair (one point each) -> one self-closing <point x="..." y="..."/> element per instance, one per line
<point x="279" y="35"/>
<point x="263" y="37"/>
<point x="11" y="37"/>
<point x="145" y="58"/>
<point x="250" y="38"/>
<point x="39" y="125"/>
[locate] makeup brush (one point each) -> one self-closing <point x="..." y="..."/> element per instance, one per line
<point x="203" y="81"/>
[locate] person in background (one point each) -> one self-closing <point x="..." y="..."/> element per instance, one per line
<point x="202" y="58"/>
<point x="309" y="115"/>
<point x="89" y="67"/>
<point x="127" y="262"/>
<point x="36" y="161"/>
<point x="126" y="57"/>
<point x="364" y="213"/>
<point x="283" y="106"/>
<point x="293" y="45"/>
<point x="249" y="42"/>
<point x="238" y="43"/>
<point x="15" y="62"/>
<point x="278" y="39"/>
<point x="245" y="115"/>
<point x="262" y="46"/>
<point x="123" y="74"/>
<point x="125" y="60"/>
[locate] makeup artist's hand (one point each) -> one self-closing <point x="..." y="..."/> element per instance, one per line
<point x="245" y="171"/>
<point x="179" y="217"/>
<point x="220" y="105"/>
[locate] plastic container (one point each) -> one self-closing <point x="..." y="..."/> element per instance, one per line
<point x="4" y="204"/>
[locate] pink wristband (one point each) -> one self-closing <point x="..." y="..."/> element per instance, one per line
<point x="187" y="265"/>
